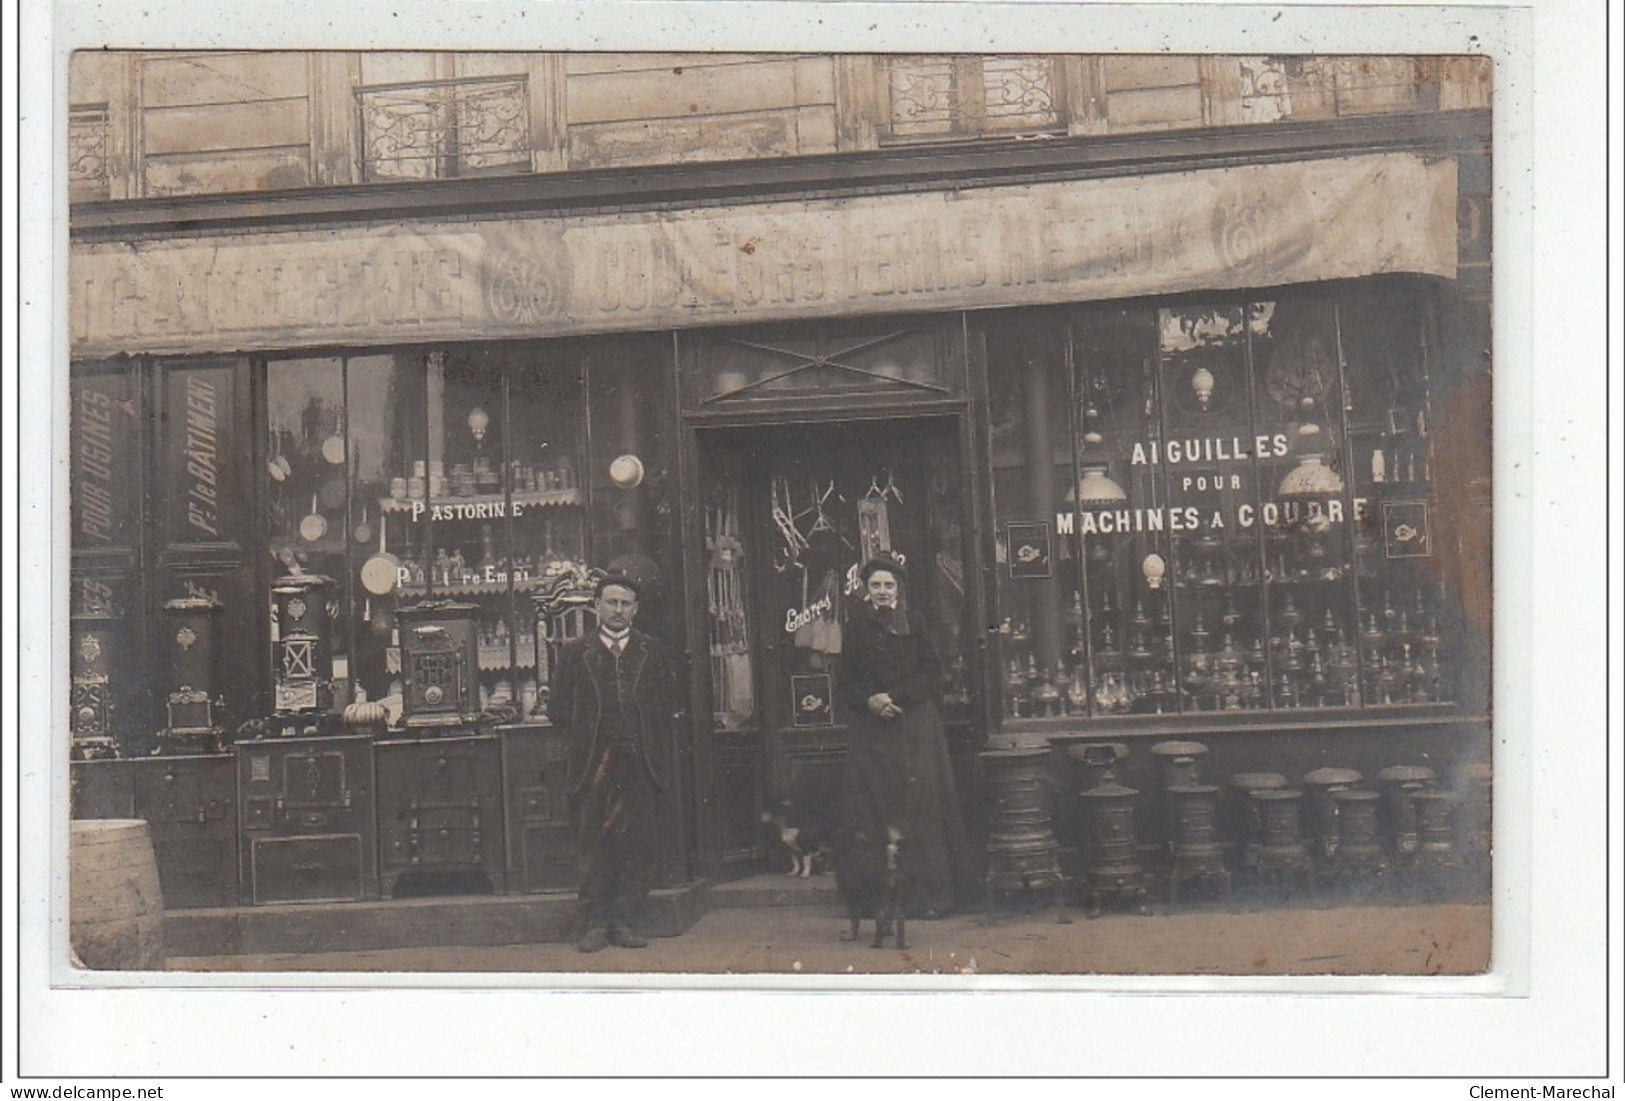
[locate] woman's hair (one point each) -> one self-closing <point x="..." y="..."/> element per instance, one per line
<point x="883" y="562"/>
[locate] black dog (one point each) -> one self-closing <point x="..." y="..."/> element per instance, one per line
<point x="802" y="842"/>
<point x="872" y="883"/>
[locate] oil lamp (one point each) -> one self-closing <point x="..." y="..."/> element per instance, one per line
<point x="1311" y="477"/>
<point x="1015" y="689"/>
<point x="478" y="421"/>
<point x="1202" y="386"/>
<point x="1095" y="486"/>
<point x="1154" y="569"/>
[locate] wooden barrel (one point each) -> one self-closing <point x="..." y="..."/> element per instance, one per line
<point x="116" y="908"/>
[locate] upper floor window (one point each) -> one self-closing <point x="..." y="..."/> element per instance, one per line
<point x="940" y="96"/>
<point x="441" y="129"/>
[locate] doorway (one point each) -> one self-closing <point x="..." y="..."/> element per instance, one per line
<point x="792" y="511"/>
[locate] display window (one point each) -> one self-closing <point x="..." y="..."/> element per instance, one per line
<point x="106" y="604"/>
<point x="1218" y="505"/>
<point x="458" y="479"/>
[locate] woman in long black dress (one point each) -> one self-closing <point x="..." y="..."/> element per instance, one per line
<point x="897" y="771"/>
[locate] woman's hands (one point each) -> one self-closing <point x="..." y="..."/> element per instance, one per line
<point x="881" y="705"/>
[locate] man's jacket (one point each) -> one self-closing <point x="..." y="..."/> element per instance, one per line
<point x="585" y="675"/>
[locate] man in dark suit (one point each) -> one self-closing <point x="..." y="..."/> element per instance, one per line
<point x="613" y="691"/>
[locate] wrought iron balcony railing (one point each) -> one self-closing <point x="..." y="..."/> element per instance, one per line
<point x="445" y="128"/>
<point x="88" y="176"/>
<point x="934" y="97"/>
<point x="1275" y="88"/>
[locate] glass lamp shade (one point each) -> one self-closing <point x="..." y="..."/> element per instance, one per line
<point x="1154" y="568"/>
<point x="1096" y="488"/>
<point x="1311" y="478"/>
<point x="478" y="421"/>
<point x="1202" y="385"/>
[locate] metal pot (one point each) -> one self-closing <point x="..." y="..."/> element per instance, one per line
<point x="381" y="572"/>
<point x="313" y="526"/>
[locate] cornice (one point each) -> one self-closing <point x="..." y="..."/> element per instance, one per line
<point x="894" y="170"/>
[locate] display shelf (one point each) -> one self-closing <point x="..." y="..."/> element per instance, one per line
<point x="1068" y="728"/>
<point x="479" y="588"/>
<point x="494" y="659"/>
<point x="546" y="498"/>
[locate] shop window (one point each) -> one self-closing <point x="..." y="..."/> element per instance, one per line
<point x="628" y="448"/>
<point x="495" y="478"/>
<point x="727" y="599"/>
<point x="1243" y="519"/>
<point x="445" y="476"/>
<point x="108" y="694"/>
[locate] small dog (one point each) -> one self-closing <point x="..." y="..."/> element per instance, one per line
<point x="872" y="883"/>
<point x="805" y="848"/>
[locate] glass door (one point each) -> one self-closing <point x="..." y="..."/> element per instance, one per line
<point x="813" y="504"/>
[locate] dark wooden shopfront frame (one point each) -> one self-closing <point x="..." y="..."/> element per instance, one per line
<point x="961" y="401"/>
<point x="1464" y="136"/>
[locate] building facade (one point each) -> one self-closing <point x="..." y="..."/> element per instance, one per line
<point x="1168" y="376"/>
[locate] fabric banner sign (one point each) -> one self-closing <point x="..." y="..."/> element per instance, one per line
<point x="1211" y="229"/>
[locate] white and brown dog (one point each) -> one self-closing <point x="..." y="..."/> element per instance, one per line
<point x="801" y="842"/>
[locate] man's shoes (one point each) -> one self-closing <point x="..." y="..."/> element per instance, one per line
<point x="595" y="939"/>
<point x="622" y="937"/>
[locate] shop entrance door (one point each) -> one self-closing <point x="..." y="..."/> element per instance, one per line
<point x="793" y="511"/>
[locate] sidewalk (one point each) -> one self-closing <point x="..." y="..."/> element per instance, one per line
<point x="775" y="925"/>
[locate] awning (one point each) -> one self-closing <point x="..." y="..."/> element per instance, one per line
<point x="1053" y="242"/>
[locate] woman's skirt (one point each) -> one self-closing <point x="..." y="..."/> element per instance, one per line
<point x="898" y="777"/>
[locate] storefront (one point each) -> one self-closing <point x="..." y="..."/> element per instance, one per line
<point x="1174" y="448"/>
